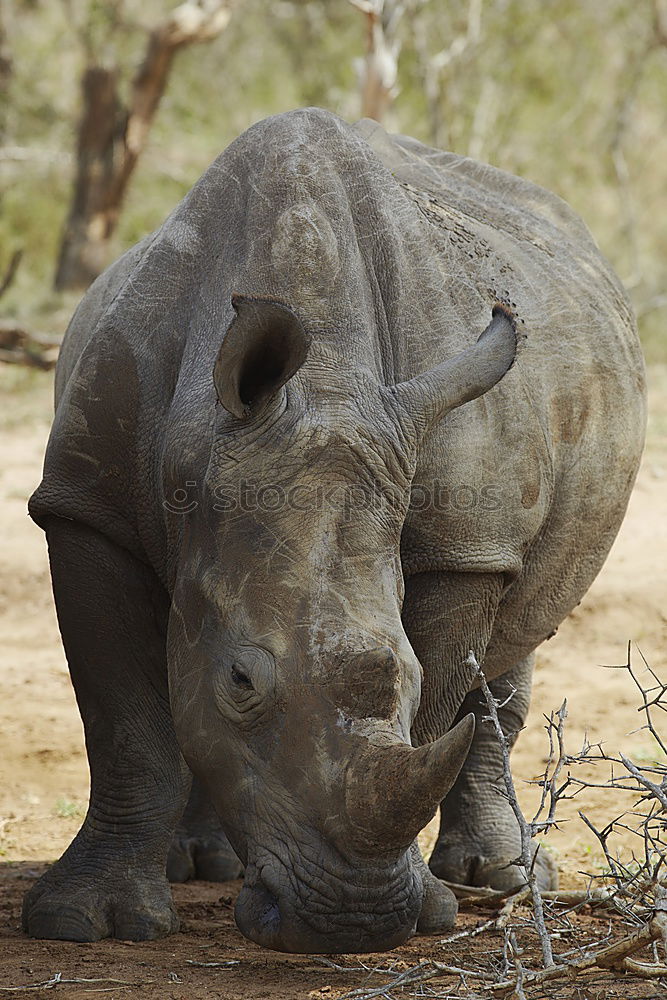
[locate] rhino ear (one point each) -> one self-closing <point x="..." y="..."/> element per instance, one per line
<point x="263" y="347"/>
<point x="430" y="396"/>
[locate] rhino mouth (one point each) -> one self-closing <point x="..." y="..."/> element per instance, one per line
<point x="277" y="909"/>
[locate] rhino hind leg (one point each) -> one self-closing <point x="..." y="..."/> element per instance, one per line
<point x="199" y="848"/>
<point x="479" y="835"/>
<point x="111" y="880"/>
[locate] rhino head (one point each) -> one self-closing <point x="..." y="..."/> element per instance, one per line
<point x="293" y="683"/>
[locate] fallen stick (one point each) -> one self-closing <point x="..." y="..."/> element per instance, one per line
<point x="478" y="895"/>
<point x="57" y="980"/>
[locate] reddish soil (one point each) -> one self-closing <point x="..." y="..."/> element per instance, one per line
<point x="210" y="959"/>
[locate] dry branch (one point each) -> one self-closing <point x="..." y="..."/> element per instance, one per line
<point x="526" y="861"/>
<point x="25" y="347"/>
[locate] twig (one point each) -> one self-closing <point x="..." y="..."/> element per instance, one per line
<point x="520" y="974"/>
<point x="471" y="932"/>
<point x="213" y="965"/>
<point x="549" y="782"/>
<point x="322" y="960"/>
<point x="524" y="826"/>
<point x="507" y="909"/>
<point x="657" y="791"/>
<point x="655" y="971"/>
<point x="657" y="693"/>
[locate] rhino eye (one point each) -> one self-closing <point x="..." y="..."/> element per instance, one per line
<point x="240" y="678"/>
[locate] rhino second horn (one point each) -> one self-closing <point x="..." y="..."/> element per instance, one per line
<point x="393" y="791"/>
<point x="428" y="397"/>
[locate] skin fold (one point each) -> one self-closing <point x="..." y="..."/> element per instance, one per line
<point x="357" y="408"/>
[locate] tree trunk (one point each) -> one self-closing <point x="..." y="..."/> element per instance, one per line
<point x="112" y="137"/>
<point x="379" y="68"/>
<point x="92" y="216"/>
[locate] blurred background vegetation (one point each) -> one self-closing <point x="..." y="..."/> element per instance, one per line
<point x="568" y="93"/>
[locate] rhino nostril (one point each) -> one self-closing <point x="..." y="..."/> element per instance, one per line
<point x="257" y="914"/>
<point x="266" y="904"/>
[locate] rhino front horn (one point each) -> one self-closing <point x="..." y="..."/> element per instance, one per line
<point x="393" y="791"/>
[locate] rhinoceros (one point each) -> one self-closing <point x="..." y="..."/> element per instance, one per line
<point x="357" y="409"/>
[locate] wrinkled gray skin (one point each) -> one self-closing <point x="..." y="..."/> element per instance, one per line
<point x="289" y="655"/>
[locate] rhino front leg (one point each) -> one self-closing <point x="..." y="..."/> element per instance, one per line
<point x="445" y="615"/>
<point x="111" y="881"/>
<point x="479" y="835"/>
<point x="200" y="849"/>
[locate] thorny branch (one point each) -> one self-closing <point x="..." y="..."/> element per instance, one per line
<point x="525" y="829"/>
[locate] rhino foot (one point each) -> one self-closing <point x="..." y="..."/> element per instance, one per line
<point x="64" y="907"/>
<point x="497" y="873"/>
<point x="199" y="848"/>
<point x="210" y="858"/>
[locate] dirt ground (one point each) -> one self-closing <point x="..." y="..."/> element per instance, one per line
<point x="44" y="782"/>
